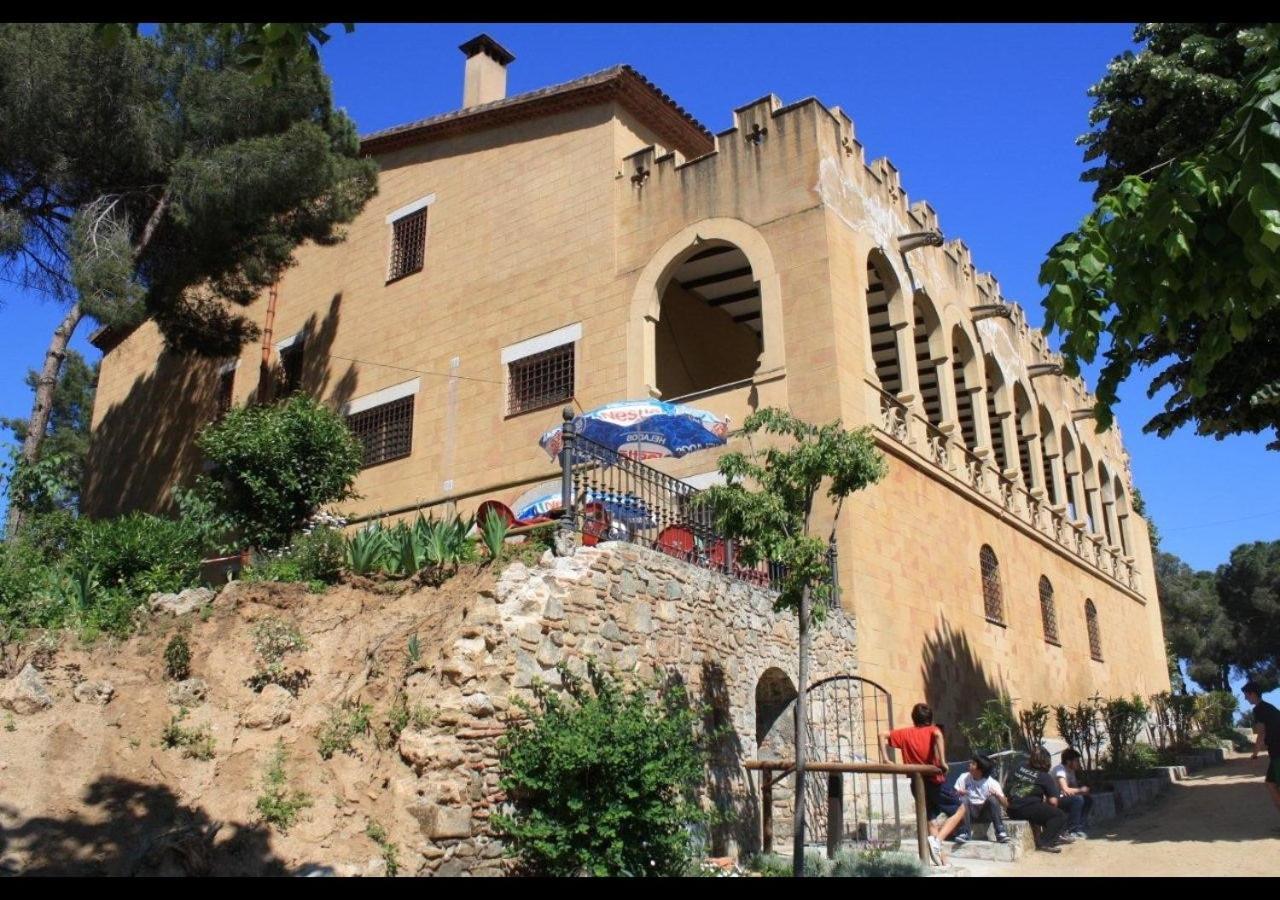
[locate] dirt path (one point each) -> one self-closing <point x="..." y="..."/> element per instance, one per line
<point x="1217" y="822"/>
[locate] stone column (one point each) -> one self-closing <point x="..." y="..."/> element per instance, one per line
<point x="947" y="396"/>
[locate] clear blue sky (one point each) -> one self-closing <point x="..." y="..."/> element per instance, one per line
<point x="980" y="119"/>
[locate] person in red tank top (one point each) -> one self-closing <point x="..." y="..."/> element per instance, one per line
<point x="923" y="744"/>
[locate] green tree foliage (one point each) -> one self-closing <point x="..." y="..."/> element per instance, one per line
<point x="153" y="177"/>
<point x="767" y="505"/>
<point x="274" y="467"/>
<point x="1225" y="621"/>
<point x="602" y="779"/>
<point x="1177" y="268"/>
<point x="53" y="480"/>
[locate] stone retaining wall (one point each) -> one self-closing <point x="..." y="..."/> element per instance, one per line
<point x="634" y="611"/>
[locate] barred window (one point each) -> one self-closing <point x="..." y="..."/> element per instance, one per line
<point x="1047" y="612"/>
<point x="386" y="431"/>
<point x="992" y="599"/>
<point x="291" y="367"/>
<point x="1095" y="636"/>
<point x="226" y="392"/>
<point x="408" y="244"/>
<point x="540" y="380"/>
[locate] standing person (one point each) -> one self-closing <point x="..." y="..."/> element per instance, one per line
<point x="1033" y="797"/>
<point x="1266" y="723"/>
<point x="1073" y="798"/>
<point x="983" y="800"/>
<point x="924" y="744"/>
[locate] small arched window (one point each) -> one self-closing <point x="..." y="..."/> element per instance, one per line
<point x="1095" y="635"/>
<point x="1048" y="615"/>
<point x="992" y="598"/>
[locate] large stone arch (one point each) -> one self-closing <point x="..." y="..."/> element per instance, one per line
<point x="646" y="300"/>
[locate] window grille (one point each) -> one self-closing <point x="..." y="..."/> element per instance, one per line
<point x="992" y="600"/>
<point x="540" y="380"/>
<point x="1095" y="636"/>
<point x="291" y="368"/>
<point x="386" y="431"/>
<point x="1047" y="612"/>
<point x="226" y="392"/>
<point x="408" y="244"/>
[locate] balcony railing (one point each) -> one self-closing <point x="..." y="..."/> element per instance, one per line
<point x="949" y="454"/>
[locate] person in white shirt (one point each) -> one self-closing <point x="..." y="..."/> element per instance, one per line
<point x="983" y="801"/>
<point x="1075" y="800"/>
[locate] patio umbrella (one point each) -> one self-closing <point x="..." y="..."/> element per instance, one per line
<point x="644" y="429"/>
<point x="622" y="506"/>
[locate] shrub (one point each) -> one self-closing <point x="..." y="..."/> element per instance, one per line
<point x="177" y="658"/>
<point x="1174" y="715"/>
<point x="277" y="804"/>
<point x="315" y="558"/>
<point x="196" y="743"/>
<point x="877" y="864"/>
<point x="602" y="780"/>
<point x="1215" y="712"/>
<point x="1031" y="725"/>
<point x="994" y="728"/>
<point x="1134" y="762"/>
<point x="343" y="726"/>
<point x="1124" y="720"/>
<point x="272" y="640"/>
<point x="139" y="554"/>
<point x="275" y="466"/>
<point x="1081" y="727"/>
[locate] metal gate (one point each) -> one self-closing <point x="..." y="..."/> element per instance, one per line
<point x="846" y="716"/>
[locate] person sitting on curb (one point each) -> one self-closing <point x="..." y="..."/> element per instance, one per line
<point x="1033" y="797"/>
<point x="1073" y="797"/>
<point x="924" y="744"/>
<point x="982" y="799"/>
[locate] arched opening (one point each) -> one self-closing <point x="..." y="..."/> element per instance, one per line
<point x="775" y="732"/>
<point x="997" y="409"/>
<point x="709" y="331"/>
<point x="1070" y="474"/>
<point x="967" y="379"/>
<point x="1048" y="615"/>
<point x="1108" y="501"/>
<point x="992" y="595"/>
<point x="883" y="298"/>
<point x="927" y="341"/>
<point x="1089" y="475"/>
<point x="1122" y="516"/>
<point x="1049" y="457"/>
<point x="1024" y="419"/>
<point x="1095" y="632"/>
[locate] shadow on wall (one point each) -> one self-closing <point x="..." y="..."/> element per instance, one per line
<point x="136" y="829"/>
<point x="145" y="444"/>
<point x="956" y="683"/>
<point x="737" y="805"/>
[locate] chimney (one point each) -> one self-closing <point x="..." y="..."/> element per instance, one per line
<point x="486" y="73"/>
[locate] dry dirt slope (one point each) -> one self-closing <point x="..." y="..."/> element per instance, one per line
<point x="89" y="789"/>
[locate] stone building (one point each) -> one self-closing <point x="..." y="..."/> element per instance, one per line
<point x="590" y="242"/>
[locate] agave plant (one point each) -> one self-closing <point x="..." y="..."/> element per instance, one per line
<point x="494" y="533"/>
<point x="407" y="550"/>
<point x="366" y="550"/>
<point x="78" y="588"/>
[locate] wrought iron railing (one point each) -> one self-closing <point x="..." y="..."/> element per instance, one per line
<point x="610" y="497"/>
<point x="950" y="455"/>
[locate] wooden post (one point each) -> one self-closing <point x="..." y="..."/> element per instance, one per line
<point x="835" y="812"/>
<point x="766" y="812"/>
<point x="922" y="818"/>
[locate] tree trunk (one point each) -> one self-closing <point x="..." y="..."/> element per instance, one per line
<point x="797" y="860"/>
<point x="42" y="406"/>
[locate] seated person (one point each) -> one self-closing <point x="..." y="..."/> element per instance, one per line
<point x="1033" y="797"/>
<point x="1073" y="797"/>
<point x="924" y="744"/>
<point x="983" y="800"/>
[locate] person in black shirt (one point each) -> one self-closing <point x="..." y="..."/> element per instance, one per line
<point x="1266" y="722"/>
<point x="1033" y="797"/>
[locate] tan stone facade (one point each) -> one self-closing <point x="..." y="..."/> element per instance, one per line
<point x="766" y="266"/>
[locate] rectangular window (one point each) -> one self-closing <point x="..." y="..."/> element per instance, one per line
<point x="386" y="431"/>
<point x="291" y="367"/>
<point x="226" y="391"/>
<point x="408" y="244"/>
<point x="540" y="380"/>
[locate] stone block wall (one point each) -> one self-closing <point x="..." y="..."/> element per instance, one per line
<point x="635" y="611"/>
